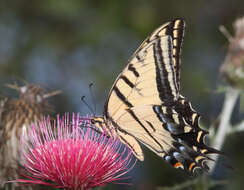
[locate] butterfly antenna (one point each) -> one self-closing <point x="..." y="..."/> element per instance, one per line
<point x="93" y="97"/>
<point x="87" y="105"/>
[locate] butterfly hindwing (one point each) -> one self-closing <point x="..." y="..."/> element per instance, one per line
<point x="161" y="129"/>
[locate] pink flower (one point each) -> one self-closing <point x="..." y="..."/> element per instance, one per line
<point x="70" y="155"/>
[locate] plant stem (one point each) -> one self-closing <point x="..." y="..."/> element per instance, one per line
<point x="231" y="97"/>
<point x="237" y="128"/>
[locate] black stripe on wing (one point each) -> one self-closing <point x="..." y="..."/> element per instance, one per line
<point x="165" y="77"/>
<point x="133" y="70"/>
<point x="176" y="29"/>
<point x="131" y="112"/>
<point x="127" y="81"/>
<point x="121" y="97"/>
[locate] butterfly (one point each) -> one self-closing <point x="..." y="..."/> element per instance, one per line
<point x="144" y="105"/>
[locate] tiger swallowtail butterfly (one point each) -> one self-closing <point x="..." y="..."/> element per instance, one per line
<point x="144" y="104"/>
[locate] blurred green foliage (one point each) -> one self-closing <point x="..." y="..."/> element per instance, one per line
<point x="67" y="44"/>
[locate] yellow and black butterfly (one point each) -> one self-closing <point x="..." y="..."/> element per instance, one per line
<point x="144" y="104"/>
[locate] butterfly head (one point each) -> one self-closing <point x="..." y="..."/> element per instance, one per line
<point x="98" y="122"/>
<point x="101" y="125"/>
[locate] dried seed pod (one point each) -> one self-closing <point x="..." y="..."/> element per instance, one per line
<point x="16" y="116"/>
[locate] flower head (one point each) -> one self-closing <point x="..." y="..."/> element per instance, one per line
<point x="70" y="155"/>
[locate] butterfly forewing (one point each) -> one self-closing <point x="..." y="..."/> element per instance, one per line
<point x="175" y="29"/>
<point x="148" y="79"/>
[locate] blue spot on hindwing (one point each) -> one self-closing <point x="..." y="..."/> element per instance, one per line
<point x="171" y="127"/>
<point x="176" y="155"/>
<point x="182" y="148"/>
<point x="167" y="158"/>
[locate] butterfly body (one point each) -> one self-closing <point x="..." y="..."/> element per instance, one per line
<point x="145" y="105"/>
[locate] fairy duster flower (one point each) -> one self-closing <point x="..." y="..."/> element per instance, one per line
<point x="69" y="154"/>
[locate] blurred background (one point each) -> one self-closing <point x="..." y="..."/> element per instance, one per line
<point x="68" y="44"/>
